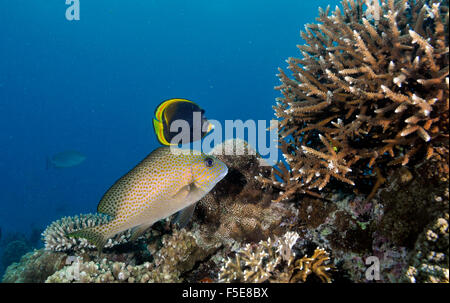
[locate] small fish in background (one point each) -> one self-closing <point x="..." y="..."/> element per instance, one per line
<point x="61" y="208"/>
<point x="65" y="159"/>
<point x="162" y="184"/>
<point x="179" y="109"/>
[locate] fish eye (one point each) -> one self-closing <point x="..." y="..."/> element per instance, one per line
<point x="209" y="162"/>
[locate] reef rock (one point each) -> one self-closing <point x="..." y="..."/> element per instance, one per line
<point x="238" y="209"/>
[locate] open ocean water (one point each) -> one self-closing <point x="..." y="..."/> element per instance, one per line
<point x="92" y="85"/>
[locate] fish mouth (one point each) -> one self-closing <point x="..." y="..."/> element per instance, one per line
<point x="223" y="173"/>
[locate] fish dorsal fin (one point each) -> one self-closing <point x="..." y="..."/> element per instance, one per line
<point x="184" y="216"/>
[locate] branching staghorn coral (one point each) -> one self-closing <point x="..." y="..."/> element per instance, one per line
<point x="56" y="239"/>
<point x="370" y="89"/>
<point x="274" y="261"/>
<point x="430" y="258"/>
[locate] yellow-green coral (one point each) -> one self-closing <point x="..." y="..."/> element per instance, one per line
<point x="314" y="264"/>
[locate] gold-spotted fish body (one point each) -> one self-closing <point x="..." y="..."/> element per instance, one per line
<point x="164" y="183"/>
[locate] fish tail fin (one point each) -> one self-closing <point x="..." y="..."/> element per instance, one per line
<point x="94" y="235"/>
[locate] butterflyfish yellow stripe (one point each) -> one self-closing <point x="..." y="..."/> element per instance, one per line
<point x="160" y="132"/>
<point x="163" y="105"/>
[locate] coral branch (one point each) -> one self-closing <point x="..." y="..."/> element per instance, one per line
<point x="370" y="89"/>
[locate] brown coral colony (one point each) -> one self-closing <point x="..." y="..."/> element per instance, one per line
<point x="371" y="90"/>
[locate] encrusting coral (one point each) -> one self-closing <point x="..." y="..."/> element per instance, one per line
<point x="35" y="267"/>
<point x="371" y="90"/>
<point x="179" y="253"/>
<point x="430" y="259"/>
<point x="237" y="209"/>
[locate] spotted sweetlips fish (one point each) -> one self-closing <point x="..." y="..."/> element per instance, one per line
<point x="167" y="181"/>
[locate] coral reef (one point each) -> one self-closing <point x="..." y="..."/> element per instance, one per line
<point x="282" y="245"/>
<point x="35" y="267"/>
<point x="235" y="212"/>
<point x="178" y="254"/>
<point x="429" y="259"/>
<point x="314" y="264"/>
<point x="410" y="203"/>
<point x="274" y="261"/>
<point x="386" y="227"/>
<point x="370" y="91"/>
<point x="56" y="239"/>
<point x="14" y="245"/>
<point x="237" y="209"/>
<point x="13" y="251"/>
<point x="364" y="134"/>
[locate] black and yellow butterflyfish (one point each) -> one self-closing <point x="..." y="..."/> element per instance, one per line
<point x="172" y="110"/>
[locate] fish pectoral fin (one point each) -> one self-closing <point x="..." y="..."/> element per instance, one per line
<point x="184" y="216"/>
<point x="139" y="231"/>
<point x="183" y="193"/>
<point x="187" y="194"/>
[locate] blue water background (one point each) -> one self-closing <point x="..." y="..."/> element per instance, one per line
<point x="92" y="85"/>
